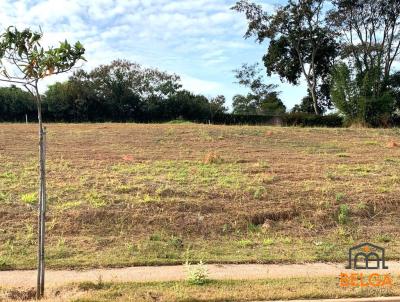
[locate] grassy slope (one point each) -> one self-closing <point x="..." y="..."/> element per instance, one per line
<point x="126" y="194"/>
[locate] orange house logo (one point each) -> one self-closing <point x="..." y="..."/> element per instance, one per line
<point x="366" y="256"/>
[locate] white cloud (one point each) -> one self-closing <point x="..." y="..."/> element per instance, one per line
<point x="199" y="39"/>
<point x="200" y="86"/>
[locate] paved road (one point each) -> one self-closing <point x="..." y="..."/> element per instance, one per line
<point x="27" y="278"/>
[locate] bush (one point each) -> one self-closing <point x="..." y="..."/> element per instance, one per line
<point x="287" y="119"/>
<point x="198" y="274"/>
<point x="312" y="120"/>
<point x="343" y="215"/>
<point x="240" y="119"/>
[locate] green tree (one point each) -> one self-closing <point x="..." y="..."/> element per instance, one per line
<point x="358" y="100"/>
<point x="306" y="105"/>
<point x="123" y="86"/>
<point x="60" y="102"/>
<point x="25" y="62"/>
<point x="15" y="104"/>
<point x="217" y="106"/>
<point x="243" y="105"/>
<point x="370" y="33"/>
<point x="370" y="38"/>
<point x="262" y="98"/>
<point x="301" y="42"/>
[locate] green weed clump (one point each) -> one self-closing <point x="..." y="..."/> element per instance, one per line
<point x="343" y="216"/>
<point x="197" y="274"/>
<point x="29" y="198"/>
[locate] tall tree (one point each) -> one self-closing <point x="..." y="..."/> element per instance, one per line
<point x="301" y="42"/>
<point x="370" y="35"/>
<point x="124" y="85"/>
<point x="262" y="98"/>
<point x="25" y="62"/>
<point x="217" y="106"/>
<point x="15" y="104"/>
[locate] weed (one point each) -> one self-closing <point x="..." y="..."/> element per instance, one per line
<point x="340" y="197"/>
<point x="225" y="228"/>
<point x="371" y="143"/>
<point x="263" y="164"/>
<point x="61" y="250"/>
<point x="96" y="200"/>
<point x="384" y="189"/>
<point x="131" y="248"/>
<point x="197" y="274"/>
<point x="29" y="198"/>
<point x="259" y="193"/>
<point x="286" y="240"/>
<point x="69" y="205"/>
<point x="155" y="237"/>
<point x="332" y="176"/>
<point x="9" y="176"/>
<point x="176" y="242"/>
<point x="245" y="243"/>
<point x="268" y="241"/>
<point x="361" y="206"/>
<point x="3" y="263"/>
<point x="385" y="238"/>
<point x="253" y="228"/>
<point x="343" y="215"/>
<point x="4" y="197"/>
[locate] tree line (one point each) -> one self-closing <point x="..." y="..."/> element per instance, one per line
<point x="344" y="49"/>
<point x="119" y="91"/>
<point x="124" y="91"/>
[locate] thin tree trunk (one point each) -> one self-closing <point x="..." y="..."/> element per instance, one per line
<point x="310" y="85"/>
<point x="42" y="200"/>
<point x="315" y="100"/>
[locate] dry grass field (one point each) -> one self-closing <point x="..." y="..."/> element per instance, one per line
<point x="129" y="194"/>
<point x="213" y="291"/>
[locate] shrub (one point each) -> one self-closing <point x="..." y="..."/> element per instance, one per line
<point x="343" y="216"/>
<point x="244" y="119"/>
<point x="286" y="119"/>
<point x="198" y="274"/>
<point x="312" y="120"/>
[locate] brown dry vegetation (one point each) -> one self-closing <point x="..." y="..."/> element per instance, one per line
<point x="214" y="290"/>
<point x="127" y="194"/>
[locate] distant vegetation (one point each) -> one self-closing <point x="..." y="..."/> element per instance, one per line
<point x="120" y="91"/>
<point x="124" y="92"/>
<point x="344" y="50"/>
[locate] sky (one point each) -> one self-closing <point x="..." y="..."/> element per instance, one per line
<point x="200" y="40"/>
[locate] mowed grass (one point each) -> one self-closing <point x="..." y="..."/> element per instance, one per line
<point x="129" y="194"/>
<point x="237" y="290"/>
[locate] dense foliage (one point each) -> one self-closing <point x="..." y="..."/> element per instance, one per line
<point x="15" y="104"/>
<point x="120" y="91"/>
<point x="262" y="99"/>
<point x="345" y="54"/>
<point x="344" y="50"/>
<point x="301" y="43"/>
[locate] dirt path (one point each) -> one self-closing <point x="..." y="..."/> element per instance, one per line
<point x="27" y="278"/>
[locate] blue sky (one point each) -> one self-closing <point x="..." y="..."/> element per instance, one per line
<point x="201" y="40"/>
